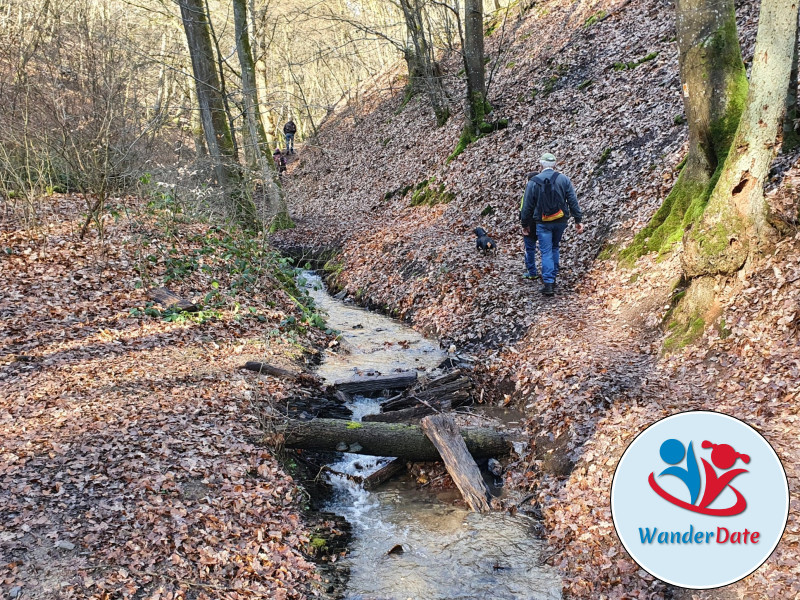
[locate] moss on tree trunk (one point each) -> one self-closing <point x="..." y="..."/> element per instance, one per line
<point x="714" y="93"/>
<point x="734" y="228"/>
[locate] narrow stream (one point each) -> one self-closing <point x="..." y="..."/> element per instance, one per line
<point x="448" y="553"/>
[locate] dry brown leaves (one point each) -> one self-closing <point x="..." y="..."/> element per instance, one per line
<point x="128" y="464"/>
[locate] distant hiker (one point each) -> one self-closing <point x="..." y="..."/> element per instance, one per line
<point x="484" y="242"/>
<point x="549" y="202"/>
<point x="529" y="241"/>
<point x="288" y="131"/>
<point x="280" y="161"/>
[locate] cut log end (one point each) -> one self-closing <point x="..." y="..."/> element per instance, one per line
<point x="169" y="299"/>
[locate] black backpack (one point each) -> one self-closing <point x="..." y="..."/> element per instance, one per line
<point x="551" y="203"/>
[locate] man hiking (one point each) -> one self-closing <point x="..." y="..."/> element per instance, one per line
<point x="529" y="241"/>
<point x="288" y="131"/>
<point x="549" y="202"/>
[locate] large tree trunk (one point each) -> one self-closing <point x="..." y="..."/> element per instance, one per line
<point x="258" y="147"/>
<point x="474" y="65"/>
<point x="196" y="123"/>
<point x="386" y="439"/>
<point x="735" y="223"/>
<point x="714" y="93"/>
<point x="218" y="134"/>
<point x="734" y="226"/>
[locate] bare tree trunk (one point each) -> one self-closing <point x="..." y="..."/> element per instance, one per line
<point x="213" y="113"/>
<point x="196" y="123"/>
<point x="423" y="74"/>
<point x="256" y="135"/>
<point x="474" y="64"/>
<point x="472" y="53"/>
<point x="162" y="79"/>
<point x="714" y="93"/>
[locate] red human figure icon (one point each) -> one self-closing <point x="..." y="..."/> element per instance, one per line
<point x="724" y="457"/>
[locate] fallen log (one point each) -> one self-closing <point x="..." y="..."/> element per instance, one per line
<point x="452" y="392"/>
<point x="268" y="369"/>
<point x="405" y="415"/>
<point x="169" y="299"/>
<point x="365" y="384"/>
<point x="384" y="474"/>
<point x="444" y="433"/>
<point x="387" y="439"/>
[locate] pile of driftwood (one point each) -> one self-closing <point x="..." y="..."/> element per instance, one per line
<point x="394" y="431"/>
<point x="414" y="425"/>
<point x="435" y="396"/>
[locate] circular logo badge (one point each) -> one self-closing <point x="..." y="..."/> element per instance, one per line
<point x="700" y="499"/>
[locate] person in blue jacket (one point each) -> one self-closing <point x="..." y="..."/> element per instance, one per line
<point x="549" y="202"/>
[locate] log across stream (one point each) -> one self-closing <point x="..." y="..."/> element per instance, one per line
<point x="410" y="542"/>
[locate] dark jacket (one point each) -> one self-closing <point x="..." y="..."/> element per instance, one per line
<point x="290" y="127"/>
<point x="530" y="212"/>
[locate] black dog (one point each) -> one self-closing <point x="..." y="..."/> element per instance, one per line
<point x="484" y="242"/>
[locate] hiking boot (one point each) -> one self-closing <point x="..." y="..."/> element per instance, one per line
<point x="530" y="277"/>
<point x="547" y="289"/>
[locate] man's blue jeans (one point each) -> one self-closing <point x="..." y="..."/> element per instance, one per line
<point x="530" y="253"/>
<point x="549" y="235"/>
<point x="289" y="141"/>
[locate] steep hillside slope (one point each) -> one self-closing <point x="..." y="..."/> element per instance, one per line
<point x="603" y="94"/>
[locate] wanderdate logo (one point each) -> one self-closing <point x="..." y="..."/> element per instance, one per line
<point x="700" y="499"/>
<point x="723" y="457"/>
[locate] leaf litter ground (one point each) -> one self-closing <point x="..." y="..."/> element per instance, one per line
<point x="130" y="467"/>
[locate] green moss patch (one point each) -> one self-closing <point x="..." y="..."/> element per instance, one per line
<point x="682" y="206"/>
<point x="682" y="335"/>
<point x="629" y="66"/>
<point x="428" y="193"/>
<point x="595" y="18"/>
<point x="280" y="222"/>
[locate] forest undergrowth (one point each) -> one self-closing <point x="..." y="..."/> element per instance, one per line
<point x="131" y="466"/>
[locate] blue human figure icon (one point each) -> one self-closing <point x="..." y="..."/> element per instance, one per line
<point x="672" y="452"/>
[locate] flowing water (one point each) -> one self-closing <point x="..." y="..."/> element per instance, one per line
<point x="438" y="551"/>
